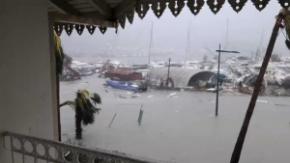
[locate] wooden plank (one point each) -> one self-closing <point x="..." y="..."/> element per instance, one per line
<point x="124" y="7"/>
<point x="62" y="18"/>
<point x="103" y="8"/>
<point x="64" y="7"/>
<point x="98" y="15"/>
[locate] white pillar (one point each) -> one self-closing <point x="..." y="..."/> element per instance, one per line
<point x="27" y="85"/>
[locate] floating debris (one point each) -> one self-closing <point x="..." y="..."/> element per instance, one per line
<point x="263" y="101"/>
<point x="282" y="105"/>
<point x="140" y="115"/>
<point x="110" y="124"/>
<point x="122" y="96"/>
<point x="150" y="96"/>
<point x="173" y="94"/>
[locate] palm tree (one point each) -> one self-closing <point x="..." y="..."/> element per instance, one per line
<point x="85" y="102"/>
<point x="59" y="55"/>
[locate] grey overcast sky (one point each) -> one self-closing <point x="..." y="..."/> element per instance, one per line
<point x="247" y="31"/>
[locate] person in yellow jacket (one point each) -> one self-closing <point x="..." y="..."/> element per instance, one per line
<point x="85" y="108"/>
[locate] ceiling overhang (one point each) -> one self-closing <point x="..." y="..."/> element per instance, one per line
<point x="68" y="15"/>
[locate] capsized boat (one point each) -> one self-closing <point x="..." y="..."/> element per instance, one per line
<point x="127" y="85"/>
<point x="247" y="84"/>
<point x="214" y="89"/>
<point x="124" y="74"/>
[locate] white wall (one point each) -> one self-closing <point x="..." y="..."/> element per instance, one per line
<point x="27" y="101"/>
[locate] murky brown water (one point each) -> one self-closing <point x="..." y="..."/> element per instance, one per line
<point x="180" y="126"/>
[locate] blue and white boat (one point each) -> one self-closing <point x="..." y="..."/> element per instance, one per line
<point x="125" y="85"/>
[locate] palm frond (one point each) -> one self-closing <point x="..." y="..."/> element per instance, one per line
<point x="58" y="52"/>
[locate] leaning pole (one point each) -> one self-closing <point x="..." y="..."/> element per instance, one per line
<point x="243" y="132"/>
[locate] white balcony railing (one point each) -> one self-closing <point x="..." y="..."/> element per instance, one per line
<point x="42" y="150"/>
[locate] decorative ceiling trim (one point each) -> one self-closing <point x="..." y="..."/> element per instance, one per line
<point x="195" y="5"/>
<point x="158" y="7"/>
<point x="126" y="10"/>
<point x="284" y="3"/>
<point x="260" y="4"/>
<point x="175" y="6"/>
<point x="102" y="29"/>
<point x="215" y="5"/>
<point x="91" y="29"/>
<point x="68" y="28"/>
<point x="130" y="16"/>
<point x="79" y="28"/>
<point x="142" y="7"/>
<point x="238" y="5"/>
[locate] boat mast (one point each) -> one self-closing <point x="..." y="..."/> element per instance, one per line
<point x="260" y="47"/>
<point x="187" y="50"/>
<point x="150" y="44"/>
<point x="149" y="53"/>
<point x="227" y="34"/>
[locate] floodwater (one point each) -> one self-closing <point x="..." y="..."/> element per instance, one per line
<point x="181" y="126"/>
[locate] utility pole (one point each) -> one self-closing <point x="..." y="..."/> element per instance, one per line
<point x="168" y="72"/>
<point x="218" y="77"/>
<point x="217" y="82"/>
<point x="243" y="132"/>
